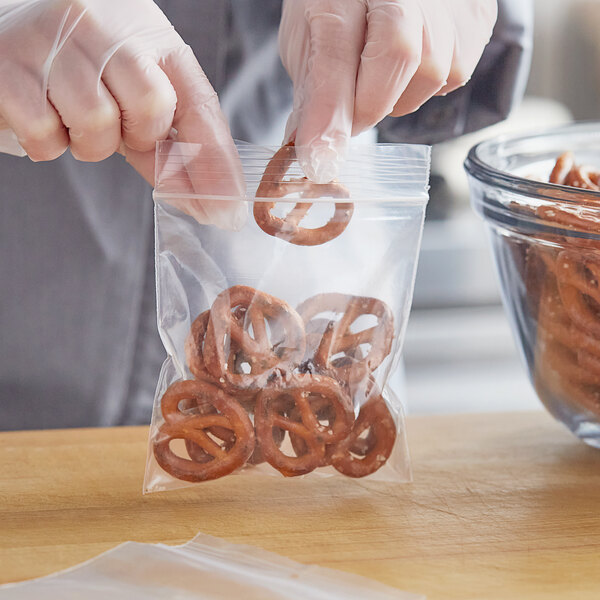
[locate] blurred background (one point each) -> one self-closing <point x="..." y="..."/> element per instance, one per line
<point x="459" y="352"/>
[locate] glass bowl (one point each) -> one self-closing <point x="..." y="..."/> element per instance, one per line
<point x="546" y="244"/>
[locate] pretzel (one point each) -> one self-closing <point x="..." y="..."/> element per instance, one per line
<point x="566" y="172"/>
<point x="582" y="219"/>
<point x="215" y="409"/>
<point x="579" y="286"/>
<point x="314" y="330"/>
<point x="566" y="362"/>
<point x="258" y="456"/>
<point x="272" y="185"/>
<point x="338" y="337"/>
<point x="564" y="163"/>
<point x="194" y="348"/>
<point x="194" y="352"/>
<point x="294" y="409"/>
<point x="227" y="335"/>
<point x="567" y="357"/>
<point x="227" y="439"/>
<point x="324" y="413"/>
<point x="568" y="375"/>
<point x="358" y="456"/>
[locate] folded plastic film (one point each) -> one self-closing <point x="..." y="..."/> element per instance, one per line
<point x="206" y="568"/>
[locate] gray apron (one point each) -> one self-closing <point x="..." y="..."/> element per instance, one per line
<point x="78" y="338"/>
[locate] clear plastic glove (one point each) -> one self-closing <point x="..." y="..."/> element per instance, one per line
<point x="101" y="76"/>
<point x="354" y="62"/>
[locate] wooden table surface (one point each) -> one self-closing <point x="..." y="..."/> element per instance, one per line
<point x="502" y="506"/>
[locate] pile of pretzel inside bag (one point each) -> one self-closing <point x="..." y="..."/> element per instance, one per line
<point x="566" y="271"/>
<point x="292" y="387"/>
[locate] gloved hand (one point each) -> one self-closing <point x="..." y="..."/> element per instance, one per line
<point x="353" y="62"/>
<point x="101" y="76"/>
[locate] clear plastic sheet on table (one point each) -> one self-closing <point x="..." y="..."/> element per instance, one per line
<point x="206" y="568"/>
<point x="302" y="333"/>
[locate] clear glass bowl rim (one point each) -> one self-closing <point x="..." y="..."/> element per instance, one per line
<point x="481" y="170"/>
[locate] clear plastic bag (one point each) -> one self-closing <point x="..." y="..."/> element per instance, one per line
<point x="206" y="568"/>
<point x="282" y="330"/>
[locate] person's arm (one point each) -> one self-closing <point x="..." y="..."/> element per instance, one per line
<point x="497" y="85"/>
<point x="354" y="62"/>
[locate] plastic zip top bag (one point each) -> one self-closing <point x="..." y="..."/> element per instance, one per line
<point x="206" y="568"/>
<point x="282" y="308"/>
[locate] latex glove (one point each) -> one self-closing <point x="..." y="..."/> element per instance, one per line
<point x="100" y="76"/>
<point x="353" y="62"/>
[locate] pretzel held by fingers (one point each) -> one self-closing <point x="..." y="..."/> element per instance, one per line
<point x="272" y="185"/>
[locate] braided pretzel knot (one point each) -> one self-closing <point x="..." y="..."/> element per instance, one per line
<point x="205" y="408"/>
<point x="266" y="352"/>
<point x="295" y="409"/>
<point x="338" y="337"/>
<point x="272" y="185"/>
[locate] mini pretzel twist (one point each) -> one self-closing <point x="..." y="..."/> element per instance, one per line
<point x="295" y="409"/>
<point x="216" y="411"/>
<point x="359" y="455"/>
<point x="368" y="445"/>
<point x="338" y="337"/>
<point x="194" y="353"/>
<point x="228" y="335"/>
<point x="272" y="185"/>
